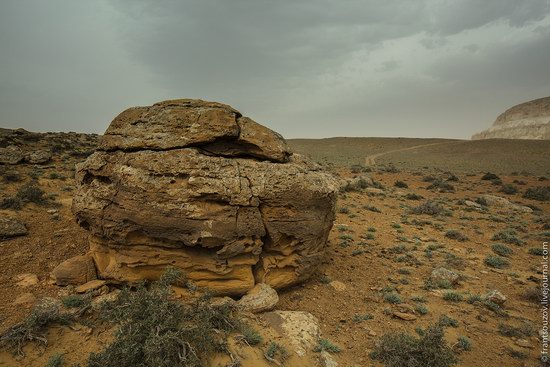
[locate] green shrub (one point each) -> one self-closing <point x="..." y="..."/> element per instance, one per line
<point x="75" y="301"/>
<point x="525" y="330"/>
<point x="57" y="176"/>
<point x="447" y="321"/>
<point x="452" y="296"/>
<point x="421" y="309"/>
<point x="401" y="184"/>
<point x="326" y="345"/>
<point x="540" y="193"/>
<point x="441" y="185"/>
<point x="392" y="298"/>
<point x="56" y="360"/>
<point x="456" y="235"/>
<point x="502" y="250"/>
<point x="11" y="176"/>
<point x="496" y="261"/>
<point x="413" y="196"/>
<point x="429" y="208"/>
<point x="405" y="350"/>
<point x="508" y="236"/>
<point x="538" y="251"/>
<point x="32" y="194"/>
<point x="356" y="185"/>
<point x="275" y="350"/>
<point x="464" y="343"/>
<point x="11" y="203"/>
<point x="156" y="330"/>
<point x="489" y="177"/>
<point x="251" y="336"/>
<point x="509" y="189"/>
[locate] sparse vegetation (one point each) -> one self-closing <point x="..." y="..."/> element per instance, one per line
<point x="489" y="177"/>
<point x="401" y="184"/>
<point x="326" y="345"/>
<point x="392" y="298"/>
<point x="464" y="343"/>
<point x="276" y="352"/>
<point x="508" y="236"/>
<point x="11" y="203"/>
<point x="56" y="360"/>
<point x="441" y="186"/>
<point x="405" y="350"/>
<point x="540" y="193"/>
<point x="33" y="328"/>
<point x="509" y="189"/>
<point x="452" y="296"/>
<point x="502" y="250"/>
<point x="429" y="208"/>
<point x="456" y="235"/>
<point x="155" y="330"/>
<point x="496" y="261"/>
<point x="11" y="176"/>
<point x="413" y="196"/>
<point x="31" y="194"/>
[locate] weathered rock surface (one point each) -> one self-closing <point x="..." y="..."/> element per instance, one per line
<point x="495" y="296"/>
<point x="26" y="280"/>
<point x="444" y="275"/>
<point x="529" y="120"/>
<point x="497" y="201"/>
<point x="75" y="271"/>
<point x="195" y="185"/>
<point x="261" y="298"/>
<point x="301" y="329"/>
<point x="11" y="227"/>
<point x="11" y="155"/>
<point x="38" y="157"/>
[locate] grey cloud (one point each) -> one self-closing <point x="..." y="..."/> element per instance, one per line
<point x="305" y="67"/>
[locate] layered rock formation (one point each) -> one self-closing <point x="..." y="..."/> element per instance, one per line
<point x="196" y="185"/>
<point x="529" y="120"/>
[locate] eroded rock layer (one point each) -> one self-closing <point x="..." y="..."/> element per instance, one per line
<point x="195" y="185"/>
<point x="529" y="120"/>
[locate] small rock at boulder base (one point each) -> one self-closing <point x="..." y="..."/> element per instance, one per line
<point x="261" y="298"/>
<point x="75" y="271"/>
<point x="300" y="329"/>
<point x="495" y="296"/>
<point x="197" y="186"/>
<point x="11" y="155"/>
<point x="11" y="227"/>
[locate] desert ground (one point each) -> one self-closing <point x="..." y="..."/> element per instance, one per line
<point x="406" y="207"/>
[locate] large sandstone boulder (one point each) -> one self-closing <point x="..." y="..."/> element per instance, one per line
<point x="529" y="120"/>
<point x="196" y="185"/>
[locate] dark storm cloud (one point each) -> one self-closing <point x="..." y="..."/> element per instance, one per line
<point x="305" y="67"/>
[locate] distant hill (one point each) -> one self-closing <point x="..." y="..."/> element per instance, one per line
<point x="529" y="120"/>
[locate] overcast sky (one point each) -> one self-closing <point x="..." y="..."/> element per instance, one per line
<point x="305" y="68"/>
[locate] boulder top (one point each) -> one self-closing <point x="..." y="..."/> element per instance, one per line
<point x="213" y="127"/>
